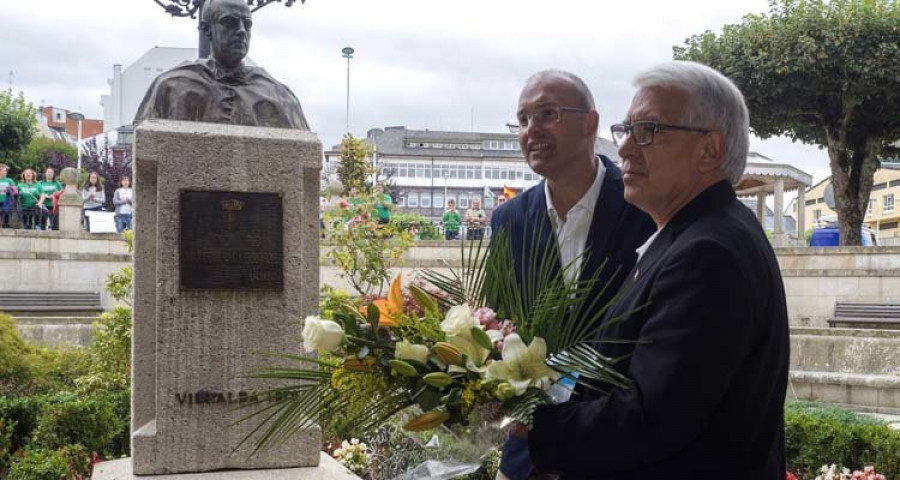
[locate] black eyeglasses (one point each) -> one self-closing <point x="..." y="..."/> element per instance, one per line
<point x="643" y="131"/>
<point x="545" y="114"/>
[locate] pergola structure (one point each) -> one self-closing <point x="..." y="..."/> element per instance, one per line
<point x="763" y="177"/>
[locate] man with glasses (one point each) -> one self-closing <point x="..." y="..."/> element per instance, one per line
<point x="578" y="208"/>
<point x="705" y="305"/>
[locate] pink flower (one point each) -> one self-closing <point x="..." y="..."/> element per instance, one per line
<point x="487" y="318"/>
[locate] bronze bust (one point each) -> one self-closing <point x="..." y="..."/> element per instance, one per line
<point x="222" y="89"/>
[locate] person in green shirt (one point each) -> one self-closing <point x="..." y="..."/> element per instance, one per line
<point x="29" y="194"/>
<point x="5" y="183"/>
<point x="49" y="186"/>
<point x="451" y="220"/>
<point x="383" y="203"/>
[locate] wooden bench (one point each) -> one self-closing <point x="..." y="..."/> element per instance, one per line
<point x="882" y="315"/>
<point x="24" y="303"/>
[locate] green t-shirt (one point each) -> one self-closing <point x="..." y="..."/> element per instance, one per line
<point x="382" y="208"/>
<point x="29" y="193"/>
<point x="48" y="189"/>
<point x="5" y="183"/>
<point x="451" y="221"/>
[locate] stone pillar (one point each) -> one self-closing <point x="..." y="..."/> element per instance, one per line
<point x="778" y="226"/>
<point x="69" y="202"/>
<point x="761" y="208"/>
<point x="801" y="214"/>
<point x="226" y="266"/>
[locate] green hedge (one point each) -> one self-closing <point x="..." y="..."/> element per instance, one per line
<point x="817" y="435"/>
<point x="69" y="462"/>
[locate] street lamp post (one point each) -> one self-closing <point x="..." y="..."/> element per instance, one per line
<point x="78" y="117"/>
<point x="347" y="52"/>
<point x="446" y="179"/>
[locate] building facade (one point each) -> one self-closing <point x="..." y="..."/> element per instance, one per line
<point x="129" y="85"/>
<point x="58" y="119"/>
<point x="425" y="168"/>
<point x="882" y="216"/>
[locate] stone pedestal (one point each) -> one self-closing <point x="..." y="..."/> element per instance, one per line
<point x="328" y="469"/>
<point x="211" y="293"/>
<point x="69" y="203"/>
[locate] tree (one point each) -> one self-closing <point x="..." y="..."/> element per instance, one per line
<point x="46" y="152"/>
<point x="824" y="73"/>
<point x="17" y="126"/>
<point x="355" y="167"/>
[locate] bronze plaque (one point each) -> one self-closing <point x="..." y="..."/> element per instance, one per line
<point x="231" y="241"/>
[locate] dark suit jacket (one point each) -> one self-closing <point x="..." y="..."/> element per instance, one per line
<point x="711" y="368"/>
<point x="616" y="230"/>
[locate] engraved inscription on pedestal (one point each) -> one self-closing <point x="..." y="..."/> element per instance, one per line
<point x="231" y="241"/>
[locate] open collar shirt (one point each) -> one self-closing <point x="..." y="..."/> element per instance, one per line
<point x="572" y="233"/>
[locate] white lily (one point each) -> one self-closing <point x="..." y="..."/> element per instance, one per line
<point x="522" y="366"/>
<point x="459" y="321"/>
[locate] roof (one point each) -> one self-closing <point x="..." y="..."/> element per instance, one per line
<point x="761" y="173"/>
<point x="789" y="224"/>
<point x="401" y="141"/>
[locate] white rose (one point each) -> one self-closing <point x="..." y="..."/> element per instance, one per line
<point x="321" y="336"/>
<point x="459" y="321"/>
<point x="404" y="350"/>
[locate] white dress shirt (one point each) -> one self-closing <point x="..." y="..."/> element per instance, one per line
<point x="572" y="233"/>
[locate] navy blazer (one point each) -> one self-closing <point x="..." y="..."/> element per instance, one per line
<point x="617" y="230"/>
<point x="710" y="372"/>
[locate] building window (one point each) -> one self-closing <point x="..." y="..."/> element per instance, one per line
<point x="817" y="214"/>
<point x="888" y="203"/>
<point x="488" y="203"/>
<point x="412" y="199"/>
<point x="812" y="201"/>
<point x="887" y="226"/>
<point x="871" y="206"/>
<point x="463" y="201"/>
<point x="438" y="200"/>
<point x="401" y="202"/>
<point x="425" y="200"/>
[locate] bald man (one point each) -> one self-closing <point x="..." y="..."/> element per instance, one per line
<point x="222" y="89"/>
<point x="579" y="206"/>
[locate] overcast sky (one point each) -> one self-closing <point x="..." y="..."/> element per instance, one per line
<point x="444" y="65"/>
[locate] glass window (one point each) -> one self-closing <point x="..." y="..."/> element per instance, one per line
<point x="401" y="202"/>
<point x="425" y="200"/>
<point x="438" y="200"/>
<point x="412" y="199"/>
<point x="519" y="174"/>
<point x="463" y="202"/>
<point x="454" y="172"/>
<point x="488" y="203"/>
<point x="889" y="202"/>
<point x="402" y="170"/>
<point x="426" y="172"/>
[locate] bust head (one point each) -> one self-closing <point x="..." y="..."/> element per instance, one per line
<point x="227" y="24"/>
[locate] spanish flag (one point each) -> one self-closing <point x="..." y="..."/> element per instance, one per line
<point x="509" y="193"/>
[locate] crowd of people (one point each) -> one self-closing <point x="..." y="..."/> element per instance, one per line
<point x="33" y="204"/>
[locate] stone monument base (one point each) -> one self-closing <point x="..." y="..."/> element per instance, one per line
<point x="328" y="469"/>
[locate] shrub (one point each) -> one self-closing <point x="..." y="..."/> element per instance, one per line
<point x="7" y="427"/>
<point x="14" y="355"/>
<point x="817" y="435"/>
<point x="40" y="465"/>
<point x="110" y="354"/>
<point x="23" y="412"/>
<point x="91" y="422"/>
<point x="426" y="229"/>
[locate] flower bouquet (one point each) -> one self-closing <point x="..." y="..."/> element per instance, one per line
<point x="441" y="352"/>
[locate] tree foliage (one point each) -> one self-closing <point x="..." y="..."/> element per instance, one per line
<point x="824" y="73"/>
<point x="44" y="152"/>
<point x="355" y="167"/>
<point x="17" y="126"/>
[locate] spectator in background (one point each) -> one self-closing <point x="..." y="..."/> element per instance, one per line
<point x="49" y="186"/>
<point x="383" y="204"/>
<point x="6" y="196"/>
<point x="451" y="221"/>
<point x="94" y="198"/>
<point x="29" y="194"/>
<point x="475" y="221"/>
<point x="123" y="199"/>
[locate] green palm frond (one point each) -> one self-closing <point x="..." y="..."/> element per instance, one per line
<point x="523" y="409"/>
<point x="284" y="411"/>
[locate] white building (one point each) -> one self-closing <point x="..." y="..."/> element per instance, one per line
<point x="425" y="168"/>
<point x="129" y="85"/>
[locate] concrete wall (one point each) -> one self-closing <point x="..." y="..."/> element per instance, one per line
<point x="59" y="261"/>
<point x="816" y="278"/>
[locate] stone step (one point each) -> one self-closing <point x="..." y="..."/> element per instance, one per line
<point x="846" y="351"/>
<point x="70" y="334"/>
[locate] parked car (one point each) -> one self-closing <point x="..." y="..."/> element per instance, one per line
<point x="831" y="237"/>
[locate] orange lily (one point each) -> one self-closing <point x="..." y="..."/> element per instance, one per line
<point x="391" y="307"/>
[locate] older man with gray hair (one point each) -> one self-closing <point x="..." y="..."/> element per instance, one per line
<point x="705" y="303"/>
